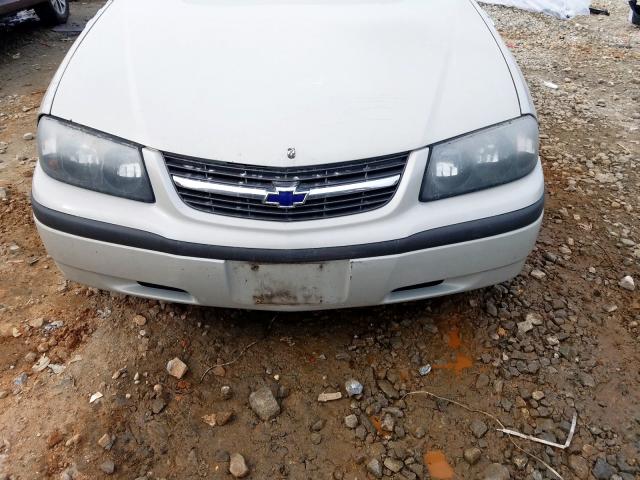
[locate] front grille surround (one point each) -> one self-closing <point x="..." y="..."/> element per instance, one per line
<point x="306" y="177"/>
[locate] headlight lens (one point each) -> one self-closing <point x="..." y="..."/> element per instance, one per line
<point x="483" y="159"/>
<point x="89" y="160"/>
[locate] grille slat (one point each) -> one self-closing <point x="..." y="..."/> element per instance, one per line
<point x="383" y="192"/>
<point x="222" y="202"/>
<point x="299" y="215"/>
<point x="291" y="171"/>
<point x="340" y="179"/>
<point x="306" y="178"/>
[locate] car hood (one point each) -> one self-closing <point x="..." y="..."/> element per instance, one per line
<point x="245" y="80"/>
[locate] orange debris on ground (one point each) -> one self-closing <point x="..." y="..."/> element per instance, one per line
<point x="438" y="466"/>
<point x="462" y="362"/>
<point x="375" y="421"/>
<point x="377" y="424"/>
<point x="454" y="338"/>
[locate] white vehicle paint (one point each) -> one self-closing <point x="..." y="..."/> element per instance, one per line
<point x="233" y="84"/>
<point x="328" y="77"/>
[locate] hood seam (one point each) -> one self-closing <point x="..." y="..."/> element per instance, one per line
<point x="497" y="42"/>
<point x="75" y="48"/>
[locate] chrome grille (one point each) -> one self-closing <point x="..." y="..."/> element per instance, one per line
<point x="381" y="176"/>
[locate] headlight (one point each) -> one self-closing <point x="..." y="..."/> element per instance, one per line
<point x="482" y="159"/>
<point x="90" y="160"/>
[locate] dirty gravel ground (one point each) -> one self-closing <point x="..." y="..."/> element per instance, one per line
<point x="561" y="338"/>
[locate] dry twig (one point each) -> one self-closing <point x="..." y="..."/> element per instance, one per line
<point x="563" y="446"/>
<point x="624" y="148"/>
<point x="606" y="254"/>
<point x="492" y="417"/>
<point x="242" y="352"/>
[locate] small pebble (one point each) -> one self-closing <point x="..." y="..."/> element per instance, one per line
<point x="108" y="467"/>
<point x="351" y="421"/>
<point x="176" y="368"/>
<point x="627" y="283"/>
<point x="238" y="466"/>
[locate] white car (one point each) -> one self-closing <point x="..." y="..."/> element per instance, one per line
<point x="288" y="155"/>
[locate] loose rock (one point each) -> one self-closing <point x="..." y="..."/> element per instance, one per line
<point x="36" y="322"/>
<point x="54" y="439"/>
<point x="393" y="464"/>
<point x="587" y="380"/>
<point x="472" y="455"/>
<point x="158" y="405"/>
<point x="579" y="467"/>
<point x="108" y="467"/>
<point x="538" y="274"/>
<point x="537" y="395"/>
<point x="95" y="397"/>
<point x="106" y="441"/>
<point x="226" y="392"/>
<point x="74" y="440"/>
<point x="602" y="470"/>
<point x="264" y="404"/>
<point x="217" y="419"/>
<point x="627" y="283"/>
<point x="388" y="389"/>
<point x="351" y="421"/>
<point x="525" y="326"/>
<point x="176" y="368"/>
<point x="374" y="468"/>
<point x="237" y="466"/>
<point x="388" y="423"/>
<point x="478" y="428"/>
<point x="482" y="381"/>
<point x="495" y="471"/>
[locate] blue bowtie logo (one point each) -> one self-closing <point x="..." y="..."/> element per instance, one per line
<point x="286" y="197"/>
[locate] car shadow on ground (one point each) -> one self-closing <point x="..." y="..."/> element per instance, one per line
<point x="407" y="336"/>
<point x="315" y="324"/>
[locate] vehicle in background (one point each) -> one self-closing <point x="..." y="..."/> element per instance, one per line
<point x="51" y="12"/>
<point x="634" y="16"/>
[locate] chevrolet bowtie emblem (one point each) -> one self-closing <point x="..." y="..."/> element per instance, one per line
<point x="286" y="197"/>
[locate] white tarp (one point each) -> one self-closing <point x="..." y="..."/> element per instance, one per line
<point x="557" y="8"/>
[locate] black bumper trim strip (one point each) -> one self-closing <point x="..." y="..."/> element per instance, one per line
<point x="437" y="237"/>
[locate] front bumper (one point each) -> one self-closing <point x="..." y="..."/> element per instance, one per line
<point x="410" y="275"/>
<point x="403" y="251"/>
